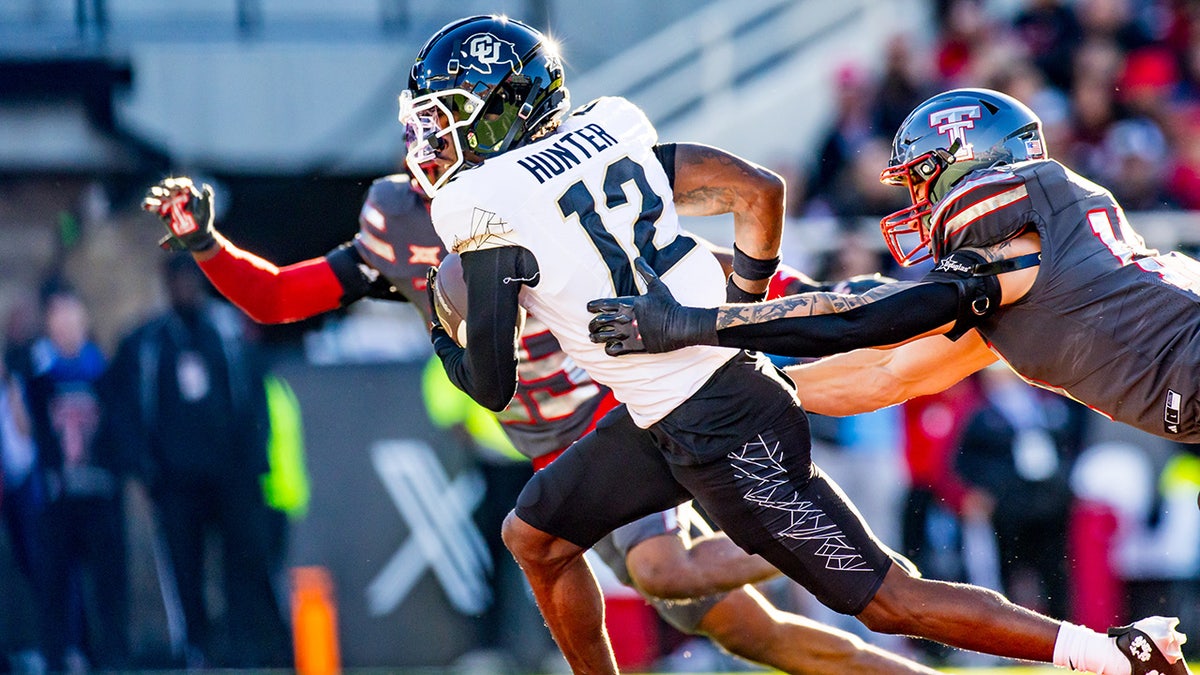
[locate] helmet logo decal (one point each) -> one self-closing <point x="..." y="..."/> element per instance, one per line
<point x="481" y="52"/>
<point x="953" y="124"/>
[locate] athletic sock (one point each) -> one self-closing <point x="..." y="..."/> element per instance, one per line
<point x="1081" y="648"/>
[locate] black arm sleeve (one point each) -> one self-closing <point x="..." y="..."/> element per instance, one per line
<point x="950" y="293"/>
<point x="352" y="272"/>
<point x="487" y="368"/>
<point x="891" y="319"/>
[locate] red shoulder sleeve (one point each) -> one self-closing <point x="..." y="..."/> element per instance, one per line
<point x="270" y="294"/>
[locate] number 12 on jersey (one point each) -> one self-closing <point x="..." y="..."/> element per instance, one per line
<point x="580" y="202"/>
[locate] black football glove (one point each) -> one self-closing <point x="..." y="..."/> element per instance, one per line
<point x="653" y="322"/>
<point x="186" y="211"/>
<point x="861" y="283"/>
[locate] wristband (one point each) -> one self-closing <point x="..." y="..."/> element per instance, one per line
<point x="737" y="295"/>
<point x="753" y="269"/>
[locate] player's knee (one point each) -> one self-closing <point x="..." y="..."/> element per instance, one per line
<point x="659" y="580"/>
<point x="834" y="651"/>
<point x="895" y="609"/>
<point x="520" y="537"/>
<point x="533" y="547"/>
<point x="745" y="624"/>
<point x="737" y="639"/>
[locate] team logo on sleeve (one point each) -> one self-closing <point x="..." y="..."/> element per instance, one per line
<point x="952" y="265"/>
<point x="481" y="52"/>
<point x="424" y="255"/>
<point x="953" y="124"/>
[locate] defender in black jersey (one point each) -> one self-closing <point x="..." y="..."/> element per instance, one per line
<point x="1035" y="266"/>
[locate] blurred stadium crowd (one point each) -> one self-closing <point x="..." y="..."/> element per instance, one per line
<point x="992" y="481"/>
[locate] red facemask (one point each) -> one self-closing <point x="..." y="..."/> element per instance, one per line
<point x="918" y="175"/>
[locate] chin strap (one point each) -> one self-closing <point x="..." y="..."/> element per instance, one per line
<point x="1007" y="265"/>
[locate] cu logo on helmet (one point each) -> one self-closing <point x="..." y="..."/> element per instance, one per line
<point x="486" y="50"/>
<point x="953" y="124"/>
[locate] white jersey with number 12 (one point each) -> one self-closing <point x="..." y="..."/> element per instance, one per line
<point x="586" y="201"/>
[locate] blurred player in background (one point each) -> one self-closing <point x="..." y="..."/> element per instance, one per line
<point x="698" y="581"/>
<point x="85" y="569"/>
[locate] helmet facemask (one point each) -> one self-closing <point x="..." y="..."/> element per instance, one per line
<point x="919" y="175"/>
<point x="430" y="123"/>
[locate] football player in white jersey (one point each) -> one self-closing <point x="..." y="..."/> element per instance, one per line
<point x="550" y="211"/>
<point x="696" y="580"/>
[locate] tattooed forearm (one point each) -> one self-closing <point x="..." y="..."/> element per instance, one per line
<point x="807" y="304"/>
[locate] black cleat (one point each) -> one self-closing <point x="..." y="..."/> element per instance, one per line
<point x="1152" y="646"/>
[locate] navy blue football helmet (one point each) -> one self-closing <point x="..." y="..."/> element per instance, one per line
<point x="487" y="84"/>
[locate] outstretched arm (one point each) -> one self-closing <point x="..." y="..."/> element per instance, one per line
<point x="265" y="292"/>
<point x="950" y="299"/>
<point x="869" y="379"/>
<point x="806" y="325"/>
<point x="818" y="324"/>
<point x="270" y="294"/>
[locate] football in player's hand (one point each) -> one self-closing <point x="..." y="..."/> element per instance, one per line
<point x="450" y="299"/>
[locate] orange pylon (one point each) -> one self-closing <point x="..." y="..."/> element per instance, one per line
<point x="314" y="622"/>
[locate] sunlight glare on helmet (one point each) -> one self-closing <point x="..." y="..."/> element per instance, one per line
<point x="552" y="47"/>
